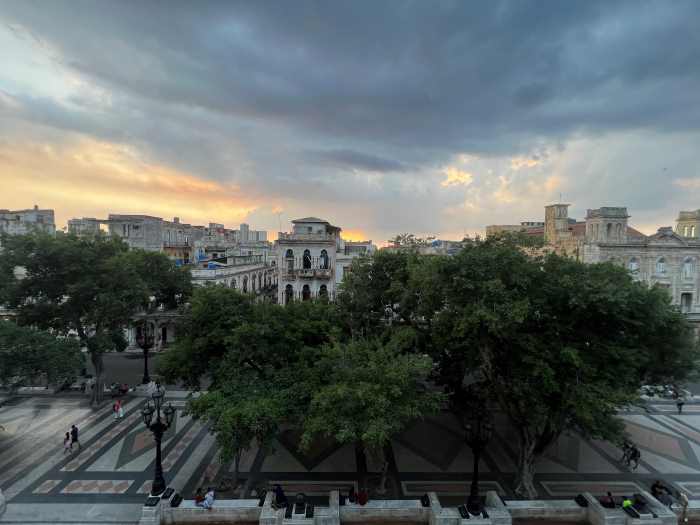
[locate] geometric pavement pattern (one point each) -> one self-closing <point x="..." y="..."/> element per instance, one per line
<point x="115" y="463"/>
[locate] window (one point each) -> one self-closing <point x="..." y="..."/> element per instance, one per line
<point x="685" y="231"/>
<point x="288" y="294"/>
<point x="688" y="268"/>
<point x="323" y="292"/>
<point x="290" y="259"/>
<point x="307" y="259"/>
<point x="306" y="293"/>
<point x="633" y="265"/>
<point x="245" y="284"/>
<point x="692" y="231"/>
<point x="608" y="231"/>
<point x="686" y="302"/>
<point x="309" y="229"/>
<point x="661" y="266"/>
<point x="324" y="260"/>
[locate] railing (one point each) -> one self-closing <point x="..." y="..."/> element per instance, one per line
<point x="305" y="237"/>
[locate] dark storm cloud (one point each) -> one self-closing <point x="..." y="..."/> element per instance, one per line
<point x="268" y="94"/>
<point x="354" y="160"/>
<point x="433" y="75"/>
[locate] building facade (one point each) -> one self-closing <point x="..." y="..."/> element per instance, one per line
<point x="312" y="260"/>
<point x="668" y="258"/>
<point x="22" y="222"/>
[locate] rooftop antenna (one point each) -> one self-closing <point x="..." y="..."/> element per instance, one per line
<point x="560" y="199"/>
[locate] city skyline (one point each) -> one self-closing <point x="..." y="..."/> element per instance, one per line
<point x="435" y="119"/>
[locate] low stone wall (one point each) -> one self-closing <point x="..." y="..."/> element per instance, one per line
<point x="244" y="512"/>
<point x="223" y="511"/>
<point x="387" y="510"/>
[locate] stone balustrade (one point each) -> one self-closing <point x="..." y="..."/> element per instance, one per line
<point x="248" y="511"/>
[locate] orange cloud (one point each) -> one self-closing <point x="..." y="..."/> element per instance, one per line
<point x="456" y="177"/>
<point x="353" y="234"/>
<point x="91" y="178"/>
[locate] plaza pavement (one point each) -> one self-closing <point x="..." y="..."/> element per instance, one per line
<point x="107" y="480"/>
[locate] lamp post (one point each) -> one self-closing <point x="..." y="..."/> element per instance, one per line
<point x="145" y="341"/>
<point x="158" y="427"/>
<point x="478" y="426"/>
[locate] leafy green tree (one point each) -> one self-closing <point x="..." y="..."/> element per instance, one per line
<point x="561" y="345"/>
<point x="365" y="392"/>
<point x="87" y="286"/>
<point x="222" y="324"/>
<point x="166" y="283"/>
<point x="28" y="354"/>
<point x="241" y="412"/>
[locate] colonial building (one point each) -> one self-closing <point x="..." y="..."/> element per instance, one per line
<point x="312" y="259"/>
<point x="668" y="259"/>
<point x="247" y="273"/>
<point x="21" y="222"/>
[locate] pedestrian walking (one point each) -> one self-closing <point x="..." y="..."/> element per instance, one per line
<point x="66" y="443"/>
<point x="683" y="498"/>
<point x="74" y="437"/>
<point x="121" y="409"/>
<point x="115" y="409"/>
<point x="679" y="403"/>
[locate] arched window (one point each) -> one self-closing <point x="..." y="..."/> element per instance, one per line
<point x="307" y="259"/>
<point x="661" y="265"/>
<point x="233" y="283"/>
<point x="688" y="268"/>
<point x="253" y="280"/>
<point x="288" y="294"/>
<point x="608" y="231"/>
<point x="692" y="231"/>
<point x="324" y="260"/>
<point x="245" y="284"/>
<point x="306" y="292"/>
<point x="685" y="230"/>
<point x="618" y="231"/>
<point x="289" y="257"/>
<point x="633" y="265"/>
<point x="323" y="292"/>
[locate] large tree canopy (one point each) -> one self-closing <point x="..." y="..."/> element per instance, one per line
<point x="87" y="286"/>
<point x="561" y="345"/>
<point x="27" y="354"/>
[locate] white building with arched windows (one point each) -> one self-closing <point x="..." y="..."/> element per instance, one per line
<point x="312" y="259"/>
<point x="667" y="259"/>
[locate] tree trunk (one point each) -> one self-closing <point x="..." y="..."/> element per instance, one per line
<point x="525" y="486"/>
<point x="236" y="468"/>
<point x="98" y="388"/>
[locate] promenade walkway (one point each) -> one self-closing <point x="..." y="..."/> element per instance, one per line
<point x="107" y="480"/>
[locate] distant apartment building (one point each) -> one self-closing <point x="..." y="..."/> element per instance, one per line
<point x="313" y="258"/>
<point x="182" y="242"/>
<point x="21" y="222"/>
<point x="528" y="227"/>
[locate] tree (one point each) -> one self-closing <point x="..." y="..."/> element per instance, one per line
<point x="242" y="412"/>
<point x="27" y="354"/>
<point x="87" y="286"/>
<point x="222" y="324"/>
<point x="561" y="345"/>
<point x="408" y="240"/>
<point x="365" y="392"/>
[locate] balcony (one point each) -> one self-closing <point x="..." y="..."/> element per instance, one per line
<point x="307" y="273"/>
<point x="308" y="237"/>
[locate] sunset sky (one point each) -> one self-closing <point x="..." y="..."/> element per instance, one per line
<point x="431" y="117"/>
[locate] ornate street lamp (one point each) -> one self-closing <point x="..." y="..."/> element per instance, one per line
<point x="478" y="426"/>
<point x="145" y="341"/>
<point x="158" y="427"/>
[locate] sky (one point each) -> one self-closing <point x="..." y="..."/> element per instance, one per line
<point x="435" y="118"/>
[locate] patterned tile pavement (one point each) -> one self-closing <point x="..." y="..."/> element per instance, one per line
<point x="116" y="463"/>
